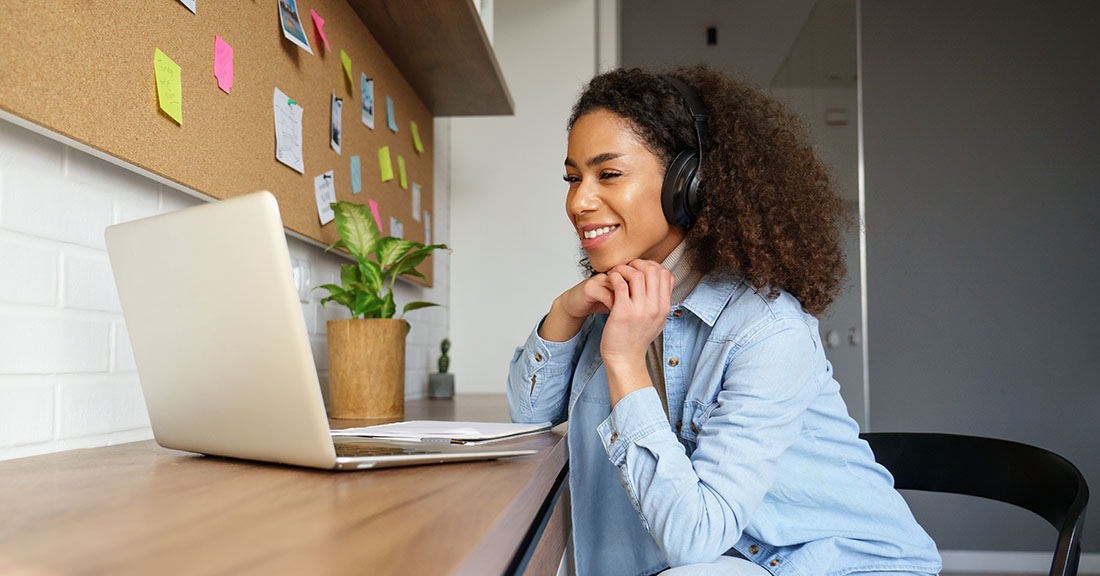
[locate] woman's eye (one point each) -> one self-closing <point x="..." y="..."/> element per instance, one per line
<point x="606" y="175"/>
<point x="570" y="179"/>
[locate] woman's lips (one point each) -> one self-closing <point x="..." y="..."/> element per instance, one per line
<point x="590" y="243"/>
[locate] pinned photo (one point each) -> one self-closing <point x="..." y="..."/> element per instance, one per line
<point x="335" y="134"/>
<point x="367" y="100"/>
<point x="292" y="24"/>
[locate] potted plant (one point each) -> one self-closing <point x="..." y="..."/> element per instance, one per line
<point x="367" y="352"/>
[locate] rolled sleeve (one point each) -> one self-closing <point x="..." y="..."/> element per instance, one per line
<point x="539" y="377"/>
<point x="635" y="416"/>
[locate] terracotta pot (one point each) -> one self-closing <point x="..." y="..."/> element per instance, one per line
<point x="366" y="367"/>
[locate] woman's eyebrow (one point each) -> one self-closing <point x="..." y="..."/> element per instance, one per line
<point x="597" y="159"/>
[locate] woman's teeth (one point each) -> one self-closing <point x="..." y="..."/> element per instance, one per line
<point x="589" y="234"/>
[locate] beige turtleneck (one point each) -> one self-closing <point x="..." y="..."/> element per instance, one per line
<point x="686" y="281"/>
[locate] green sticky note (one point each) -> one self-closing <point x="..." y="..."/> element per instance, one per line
<point x="169" y="86"/>
<point x="347" y="64"/>
<point x="416" y="138"/>
<point x="384" y="164"/>
<point x="401" y="171"/>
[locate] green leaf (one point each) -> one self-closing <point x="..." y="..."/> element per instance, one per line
<point x="391" y="250"/>
<point x="336" y="244"/>
<point x="356" y="227"/>
<point x="413" y="259"/>
<point x="350" y="275"/>
<point x="388" y="307"/>
<point x="332" y="288"/>
<point x="416" y="306"/>
<point x="366" y="304"/>
<point x="372" y="276"/>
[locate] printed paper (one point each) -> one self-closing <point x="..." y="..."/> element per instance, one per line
<point x="325" y="192"/>
<point x="335" y="132"/>
<point x="292" y="24"/>
<point x="391" y="120"/>
<point x="288" y="131"/>
<point x="397" y="230"/>
<point x="366" y="100"/>
<point x="416" y="201"/>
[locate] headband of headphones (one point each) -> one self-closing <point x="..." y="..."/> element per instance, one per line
<point x="697" y="109"/>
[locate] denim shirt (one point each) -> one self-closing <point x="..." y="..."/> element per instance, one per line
<point x="756" y="455"/>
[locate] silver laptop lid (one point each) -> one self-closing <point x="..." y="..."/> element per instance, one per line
<point x="218" y="334"/>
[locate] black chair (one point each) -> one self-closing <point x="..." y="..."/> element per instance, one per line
<point x="1027" y="476"/>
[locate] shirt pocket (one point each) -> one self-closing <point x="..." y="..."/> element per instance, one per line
<point x="696" y="414"/>
<point x="593" y="379"/>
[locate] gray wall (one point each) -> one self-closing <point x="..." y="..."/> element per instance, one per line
<point x="982" y="160"/>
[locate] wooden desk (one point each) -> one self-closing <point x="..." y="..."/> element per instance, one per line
<point x="141" y="509"/>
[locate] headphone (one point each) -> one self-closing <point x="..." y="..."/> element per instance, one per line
<point x="681" y="190"/>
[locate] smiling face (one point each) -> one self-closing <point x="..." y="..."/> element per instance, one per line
<point x="614" y="196"/>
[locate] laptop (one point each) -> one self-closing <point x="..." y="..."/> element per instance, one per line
<point x="219" y="339"/>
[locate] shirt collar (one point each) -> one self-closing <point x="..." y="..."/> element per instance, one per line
<point x="711" y="296"/>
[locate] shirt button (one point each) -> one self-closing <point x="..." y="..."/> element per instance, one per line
<point x="774" y="562"/>
<point x="614" y="437"/>
<point x="538" y="357"/>
<point x="678" y="313"/>
<point x="694" y="429"/>
<point x="753" y="549"/>
<point x="673" y="361"/>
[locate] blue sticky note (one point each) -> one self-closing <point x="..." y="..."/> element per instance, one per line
<point x="356" y="176"/>
<point x="390" y="118"/>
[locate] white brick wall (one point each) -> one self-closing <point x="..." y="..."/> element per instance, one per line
<point x="67" y="375"/>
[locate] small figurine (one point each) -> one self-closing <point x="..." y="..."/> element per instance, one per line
<point x="442" y="384"/>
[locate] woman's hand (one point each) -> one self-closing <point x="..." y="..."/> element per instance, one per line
<point x="642" y="291"/>
<point x="567" y="313"/>
<point x="642" y="294"/>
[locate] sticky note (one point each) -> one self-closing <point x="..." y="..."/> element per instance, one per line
<point x="319" y="23"/>
<point x="374" y="211"/>
<point x="385" y="166"/>
<point x="416" y="201"/>
<point x="324" y="190"/>
<point x="169" y="85"/>
<point x="223" y="64"/>
<point x="288" y="132"/>
<point x="347" y="65"/>
<point x="427" y="227"/>
<point x="416" y="138"/>
<point x="397" y="230"/>
<point x="401" y="170"/>
<point x="356" y="176"/>
<point x="391" y="120"/>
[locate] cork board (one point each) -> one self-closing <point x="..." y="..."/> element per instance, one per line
<point x="87" y="73"/>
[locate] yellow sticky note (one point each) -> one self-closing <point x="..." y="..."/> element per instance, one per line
<point x="416" y="138"/>
<point x="169" y="86"/>
<point x="401" y="171"/>
<point x="347" y="64"/>
<point x="384" y="164"/>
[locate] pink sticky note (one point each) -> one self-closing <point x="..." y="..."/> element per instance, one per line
<point x="320" y="24"/>
<point x="377" y="218"/>
<point x="223" y="64"/>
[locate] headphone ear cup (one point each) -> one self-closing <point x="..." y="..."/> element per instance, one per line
<point x="679" y="192"/>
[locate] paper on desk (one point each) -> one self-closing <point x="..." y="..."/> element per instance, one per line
<point x="456" y="432"/>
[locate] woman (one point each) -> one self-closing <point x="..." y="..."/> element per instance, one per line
<point x="705" y="428"/>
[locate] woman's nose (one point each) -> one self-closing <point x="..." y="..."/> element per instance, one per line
<point x="585" y="197"/>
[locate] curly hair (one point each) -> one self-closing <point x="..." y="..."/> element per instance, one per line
<point x="769" y="213"/>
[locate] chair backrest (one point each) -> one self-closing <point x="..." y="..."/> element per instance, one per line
<point x="1019" y="474"/>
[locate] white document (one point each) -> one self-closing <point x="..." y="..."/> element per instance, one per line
<point x="288" y="132"/>
<point x="397" y="229"/>
<point x="325" y="191"/>
<point x="190" y="5"/>
<point x="443" y="431"/>
<point x="416" y="202"/>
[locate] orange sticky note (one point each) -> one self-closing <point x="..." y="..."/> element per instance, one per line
<point x="169" y="85"/>
<point x="384" y="163"/>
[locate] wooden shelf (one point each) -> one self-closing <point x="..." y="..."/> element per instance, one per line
<point x="442" y="50"/>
